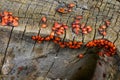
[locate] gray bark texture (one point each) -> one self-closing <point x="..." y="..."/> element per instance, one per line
<point x="24" y="59"/>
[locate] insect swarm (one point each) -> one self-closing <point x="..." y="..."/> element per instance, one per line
<point x="109" y="48"/>
<point x="66" y="9"/>
<point x="7" y="19"/>
<point x="102" y="29"/>
<point x="78" y="27"/>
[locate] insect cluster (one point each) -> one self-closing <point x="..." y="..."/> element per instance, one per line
<point x="102" y="28"/>
<point x="57" y="40"/>
<point x="66" y="9"/>
<point x="77" y="26"/>
<point x="59" y="28"/>
<point x="8" y="19"/>
<point x="108" y="47"/>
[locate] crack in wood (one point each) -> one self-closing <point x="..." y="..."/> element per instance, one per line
<point x="34" y="10"/>
<point x="50" y="8"/>
<point x="117" y="37"/>
<point x="93" y="10"/>
<point x="19" y="9"/>
<point x="70" y="26"/>
<point x="113" y="12"/>
<point x="52" y="64"/>
<point x="26" y="22"/>
<point x="57" y="51"/>
<point x="50" y="20"/>
<point x="38" y="32"/>
<point x="97" y="19"/>
<point x="116" y="20"/>
<point x="107" y="15"/>
<point x="66" y="24"/>
<point x="5" y="54"/>
<point x="4" y="58"/>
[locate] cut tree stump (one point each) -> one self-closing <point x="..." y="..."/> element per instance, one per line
<point x="21" y="58"/>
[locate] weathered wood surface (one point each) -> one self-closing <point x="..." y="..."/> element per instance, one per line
<point x="47" y="59"/>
